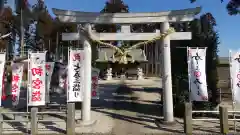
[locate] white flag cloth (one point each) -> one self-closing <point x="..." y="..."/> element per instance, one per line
<point x="37" y="78"/>
<point x="75" y="76"/>
<point x="197" y="74"/>
<point x="95" y="76"/>
<point x="17" y="74"/>
<point x="49" y="70"/>
<point x="235" y="75"/>
<point x="2" y="64"/>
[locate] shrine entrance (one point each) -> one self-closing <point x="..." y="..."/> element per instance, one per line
<point x="159" y="56"/>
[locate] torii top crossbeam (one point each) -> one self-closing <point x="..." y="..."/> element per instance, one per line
<point x="126" y="18"/>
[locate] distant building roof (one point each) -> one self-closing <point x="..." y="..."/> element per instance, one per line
<point x="107" y="55"/>
<point x="223" y="60"/>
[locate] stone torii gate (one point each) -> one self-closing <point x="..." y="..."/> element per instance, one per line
<point x="126" y="19"/>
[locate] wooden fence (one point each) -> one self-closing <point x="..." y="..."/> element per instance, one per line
<point x="223" y="118"/>
<point x="34" y="115"/>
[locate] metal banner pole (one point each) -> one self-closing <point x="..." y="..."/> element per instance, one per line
<point x="234" y="116"/>
<point x="28" y="87"/>
<point x="233" y="100"/>
<point x="68" y="73"/>
<point x="189" y="75"/>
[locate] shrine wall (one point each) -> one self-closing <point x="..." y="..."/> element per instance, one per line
<point x="153" y="52"/>
<point x="224" y="73"/>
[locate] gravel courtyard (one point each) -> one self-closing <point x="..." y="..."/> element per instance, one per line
<point x="129" y="107"/>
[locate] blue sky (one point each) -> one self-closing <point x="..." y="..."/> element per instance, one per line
<point x="228" y="26"/>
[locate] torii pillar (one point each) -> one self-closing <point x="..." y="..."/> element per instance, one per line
<point x="166" y="75"/>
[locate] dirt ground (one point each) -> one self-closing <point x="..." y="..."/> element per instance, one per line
<point x="137" y="108"/>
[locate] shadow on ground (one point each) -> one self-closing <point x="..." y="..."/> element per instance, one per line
<point x="121" y="99"/>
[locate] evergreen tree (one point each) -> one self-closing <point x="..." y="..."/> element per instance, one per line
<point x="233" y="6"/>
<point x="115" y="6"/>
<point x="203" y="35"/>
<point x="112" y="6"/>
<point x="209" y="38"/>
<point x="6" y="21"/>
<point x="39" y="27"/>
<point x="30" y="37"/>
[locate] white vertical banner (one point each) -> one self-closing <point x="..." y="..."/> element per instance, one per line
<point x="37" y="78"/>
<point x="95" y="76"/>
<point x="2" y="65"/>
<point x="75" y="75"/>
<point x="235" y="75"/>
<point x="197" y="74"/>
<point x="49" y="70"/>
<point x="17" y="74"/>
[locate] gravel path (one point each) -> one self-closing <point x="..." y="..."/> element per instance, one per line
<point x="137" y="109"/>
<point x="131" y="108"/>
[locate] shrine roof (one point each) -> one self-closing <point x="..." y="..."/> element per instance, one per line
<point x="108" y="18"/>
<point x="223" y="60"/>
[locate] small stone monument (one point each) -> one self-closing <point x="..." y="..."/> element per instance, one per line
<point x="140" y="74"/>
<point x="109" y="74"/>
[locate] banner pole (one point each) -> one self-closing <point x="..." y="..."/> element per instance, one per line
<point x="189" y="75"/>
<point x="234" y="116"/>
<point x="233" y="100"/>
<point x="67" y="89"/>
<point x="28" y="87"/>
<point x="3" y="82"/>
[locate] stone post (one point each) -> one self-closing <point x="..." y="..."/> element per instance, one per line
<point x="167" y="75"/>
<point x="34" y="121"/>
<point x="70" y="126"/>
<point x="224" y="120"/>
<point x="140" y="74"/>
<point x="109" y="74"/>
<point x="188" y="119"/>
